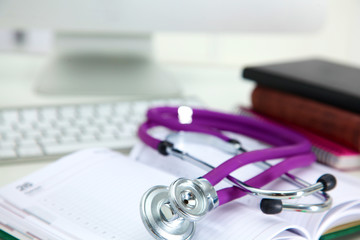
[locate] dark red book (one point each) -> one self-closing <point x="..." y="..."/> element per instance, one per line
<point x="331" y="122"/>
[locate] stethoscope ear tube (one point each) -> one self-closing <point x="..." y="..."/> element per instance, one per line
<point x="275" y="206"/>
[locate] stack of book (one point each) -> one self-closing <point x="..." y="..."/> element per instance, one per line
<point x="319" y="99"/>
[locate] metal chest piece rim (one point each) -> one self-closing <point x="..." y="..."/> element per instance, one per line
<point x="159" y="218"/>
<point x="171" y="212"/>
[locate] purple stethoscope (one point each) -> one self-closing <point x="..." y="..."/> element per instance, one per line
<point x="171" y="212"/>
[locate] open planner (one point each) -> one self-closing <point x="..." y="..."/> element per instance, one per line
<point x="95" y="194"/>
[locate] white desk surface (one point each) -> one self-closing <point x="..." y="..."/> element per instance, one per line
<point x="218" y="87"/>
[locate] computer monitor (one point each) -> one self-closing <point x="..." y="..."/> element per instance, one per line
<point x="104" y="46"/>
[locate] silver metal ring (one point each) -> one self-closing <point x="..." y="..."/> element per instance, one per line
<point x="159" y="218"/>
<point x="192" y="199"/>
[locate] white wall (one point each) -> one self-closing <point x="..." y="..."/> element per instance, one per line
<point x="37" y="41"/>
<point x="354" y="42"/>
<point x="6" y="40"/>
<point x="338" y="39"/>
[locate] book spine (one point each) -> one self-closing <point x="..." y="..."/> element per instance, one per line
<point x="337" y="124"/>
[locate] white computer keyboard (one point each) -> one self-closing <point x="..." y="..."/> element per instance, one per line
<point x="45" y="132"/>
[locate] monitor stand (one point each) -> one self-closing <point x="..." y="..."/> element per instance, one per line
<point x="105" y="64"/>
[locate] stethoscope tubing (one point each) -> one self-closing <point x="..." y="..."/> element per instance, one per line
<point x="164" y="115"/>
<point x="171" y="123"/>
<point x="231" y="193"/>
<point x="167" y="117"/>
<point x="305" y="188"/>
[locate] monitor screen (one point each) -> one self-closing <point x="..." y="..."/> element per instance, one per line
<point x="163" y="15"/>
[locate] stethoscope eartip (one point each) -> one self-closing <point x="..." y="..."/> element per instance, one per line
<point x="160" y="219"/>
<point x="329" y="182"/>
<point x="271" y="206"/>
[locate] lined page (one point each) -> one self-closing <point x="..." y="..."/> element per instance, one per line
<point x="90" y="195"/>
<point x="239" y="221"/>
<point x="346" y="201"/>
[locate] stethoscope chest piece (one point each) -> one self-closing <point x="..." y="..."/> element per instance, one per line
<point x="160" y="219"/>
<point x="171" y="212"/>
<point x="192" y="199"/>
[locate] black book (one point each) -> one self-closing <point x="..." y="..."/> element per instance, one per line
<point x="328" y="82"/>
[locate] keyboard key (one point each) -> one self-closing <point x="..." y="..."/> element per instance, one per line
<point x="140" y="107"/>
<point x="5" y="127"/>
<point x="48" y="141"/>
<point x="7" y="153"/>
<point x="32" y="134"/>
<point x="110" y="129"/>
<point x="90" y="129"/>
<point x="12" y="135"/>
<point x="87" y="138"/>
<point x="9" y="116"/>
<point x="63" y="124"/>
<point x="137" y="119"/>
<point x="42" y="125"/>
<point x="129" y="126"/>
<point x="117" y="119"/>
<point x="26" y="142"/>
<point x="52" y="132"/>
<point x="107" y="136"/>
<point x="103" y="121"/>
<point x="81" y="122"/>
<point x="73" y="131"/>
<point x="7" y="144"/>
<point x="67" y="139"/>
<point x="104" y="110"/>
<point x="86" y="111"/>
<point x="29" y="151"/>
<point x="68" y="112"/>
<point x="29" y="115"/>
<point x="23" y="125"/>
<point x="122" y="108"/>
<point x="48" y="114"/>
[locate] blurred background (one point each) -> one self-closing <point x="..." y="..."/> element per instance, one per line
<point x="59" y="54"/>
<point x="266" y="33"/>
<point x="337" y="38"/>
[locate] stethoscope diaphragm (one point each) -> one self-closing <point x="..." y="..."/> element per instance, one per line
<point x="161" y="221"/>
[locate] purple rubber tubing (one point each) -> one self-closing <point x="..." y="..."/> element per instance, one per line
<point x="286" y="144"/>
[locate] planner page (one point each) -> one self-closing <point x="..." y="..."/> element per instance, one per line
<point x="95" y="194"/>
<point x="345" y="207"/>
